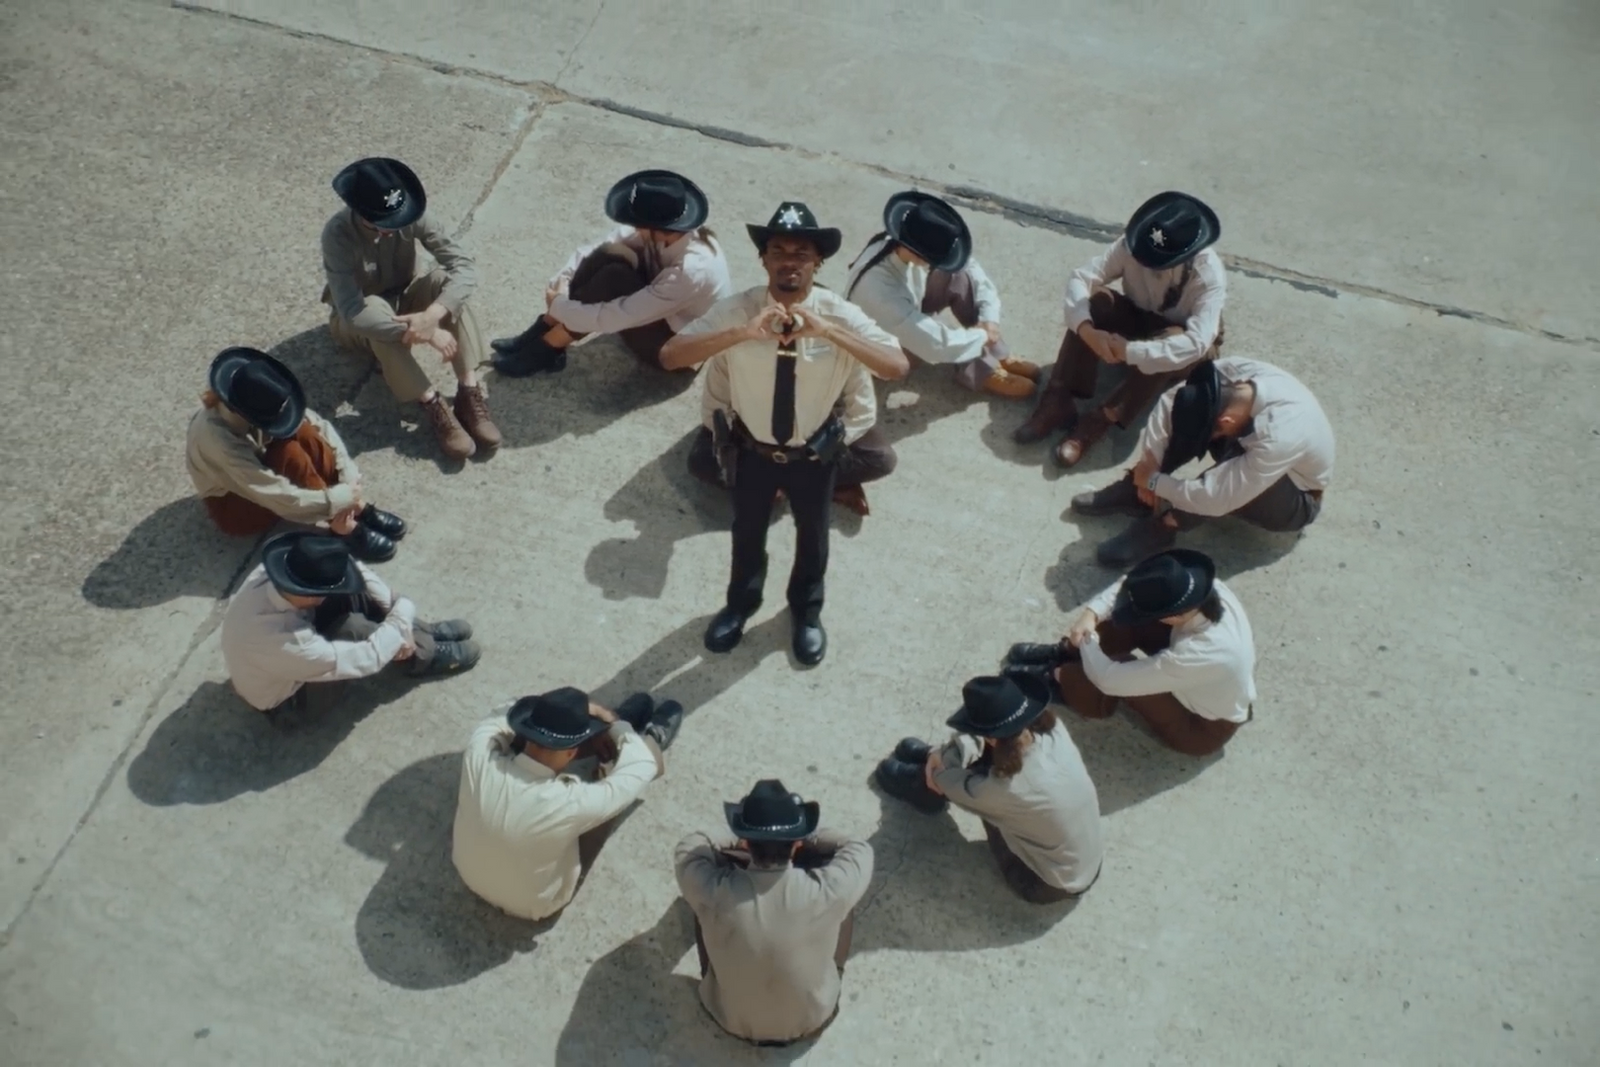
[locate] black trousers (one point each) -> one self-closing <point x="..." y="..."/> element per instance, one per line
<point x="809" y="487"/>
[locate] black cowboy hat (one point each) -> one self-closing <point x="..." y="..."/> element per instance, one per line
<point x="385" y="192"/>
<point x="772" y="813"/>
<point x="259" y="390"/>
<point x="794" y="219"/>
<point x="1170" y="228"/>
<point x="1000" y="707"/>
<point x="658" y="200"/>
<point x="556" y="720"/>
<point x="1168" y="583"/>
<point x="311" y="563"/>
<point x="1195" y="408"/>
<point x="929" y="227"/>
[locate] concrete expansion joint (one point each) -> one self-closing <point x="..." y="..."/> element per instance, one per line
<point x="1021" y="212"/>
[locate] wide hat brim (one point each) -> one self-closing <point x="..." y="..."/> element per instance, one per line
<point x="810" y="816"/>
<point x="275" y="557"/>
<point x="1203" y="572"/>
<point x="826" y="238"/>
<point x="1036" y="697"/>
<point x="228" y="364"/>
<point x="522" y="725"/>
<point x="1193" y="419"/>
<point x="695" y="212"/>
<point x="409" y="210"/>
<point x="1161" y="259"/>
<point x="894" y="216"/>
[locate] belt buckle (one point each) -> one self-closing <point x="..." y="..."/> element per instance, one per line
<point x="780" y="456"/>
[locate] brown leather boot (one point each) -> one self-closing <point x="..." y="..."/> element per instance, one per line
<point x="472" y="409"/>
<point x="1021" y="368"/>
<point x="1090" y="429"/>
<point x="1011" y="386"/>
<point x="452" y="438"/>
<point x="853" y="497"/>
<point x="1056" y="411"/>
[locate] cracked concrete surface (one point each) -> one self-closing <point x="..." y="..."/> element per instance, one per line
<point x="1395" y="863"/>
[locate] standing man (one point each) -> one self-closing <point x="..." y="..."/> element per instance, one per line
<point x="784" y="354"/>
<point x="658" y="271"/>
<point x="380" y="307"/>
<point x="921" y="265"/>
<point x="256" y="454"/>
<point x="310" y="613"/>
<point x="1167" y="317"/>
<point x="1271" y="441"/>
<point x="539" y="775"/>
<point x="773" y="915"/>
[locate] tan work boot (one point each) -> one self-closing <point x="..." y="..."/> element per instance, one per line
<point x="472" y="409"/>
<point x="1021" y="368"/>
<point x="1011" y="386"/>
<point x="452" y="438"/>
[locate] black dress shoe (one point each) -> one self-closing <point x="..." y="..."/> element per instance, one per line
<point x="1035" y="654"/>
<point x="636" y="711"/>
<point x="664" y="723"/>
<point x="529" y="358"/>
<point x="906" y="781"/>
<point x="1016" y="672"/>
<point x="387" y="523"/>
<point x="912" y="750"/>
<point x="1118" y="498"/>
<point x="532" y="333"/>
<point x="810" y="642"/>
<point x="726" y="630"/>
<point x="368" y="545"/>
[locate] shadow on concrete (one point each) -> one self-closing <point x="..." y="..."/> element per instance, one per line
<point x="632" y="1008"/>
<point x="908" y="407"/>
<point x="177" y="551"/>
<point x="602" y="384"/>
<point x="679" y="667"/>
<point x="1126" y="763"/>
<point x="215" y="747"/>
<point x="933" y="890"/>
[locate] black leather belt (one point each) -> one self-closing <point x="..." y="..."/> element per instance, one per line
<point x="780" y="455"/>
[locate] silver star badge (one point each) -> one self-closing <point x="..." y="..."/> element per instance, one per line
<point x="790" y="217"/>
<point x="393" y="197"/>
<point x="1158" y="238"/>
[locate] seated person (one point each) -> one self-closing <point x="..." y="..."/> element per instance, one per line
<point x="1195" y="685"/>
<point x="921" y="265"/>
<point x="311" y="613"/>
<point x="257" y="454"/>
<point x="1013" y="765"/>
<point x="646" y="280"/>
<point x="1271" y="442"/>
<point x="539" y="775"/>
<point x="773" y="915"/>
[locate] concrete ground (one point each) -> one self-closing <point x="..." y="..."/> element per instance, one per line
<point x="1396" y="863"/>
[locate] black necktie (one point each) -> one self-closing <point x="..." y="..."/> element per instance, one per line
<point x="783" y="393"/>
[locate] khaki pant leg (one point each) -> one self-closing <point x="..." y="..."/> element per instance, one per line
<point x="405" y="377"/>
<point x="462" y="324"/>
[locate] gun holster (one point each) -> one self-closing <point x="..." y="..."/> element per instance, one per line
<point x="827" y="444"/>
<point x="725" y="448"/>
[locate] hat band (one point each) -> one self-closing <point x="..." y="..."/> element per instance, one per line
<point x="799" y="822"/>
<point x="1021" y="710"/>
<point x="558" y="733"/>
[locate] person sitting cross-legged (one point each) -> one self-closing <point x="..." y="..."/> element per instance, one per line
<point x="1013" y="765"/>
<point x="311" y="613"/>
<point x="543" y="773"/>
<point x="773" y="915"/>
<point x="1194" y="686"/>
<point x="256" y="454"/>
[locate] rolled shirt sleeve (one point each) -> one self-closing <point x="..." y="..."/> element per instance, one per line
<point x="1162" y="354"/>
<point x="1231" y="484"/>
<point x="1099" y="272"/>
<point x="460" y="269"/>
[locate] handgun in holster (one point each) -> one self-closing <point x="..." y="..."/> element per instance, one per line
<point x="827" y="444"/>
<point x="725" y="448"/>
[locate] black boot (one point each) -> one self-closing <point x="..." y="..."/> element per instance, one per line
<point x="906" y="781"/>
<point x="1031" y="654"/>
<point x="529" y="357"/>
<point x="810" y="642"/>
<point x="533" y="333"/>
<point x="636" y="711"/>
<point x="726" y="630"/>
<point x="387" y="523"/>
<point x="368" y="545"/>
<point x="912" y="750"/>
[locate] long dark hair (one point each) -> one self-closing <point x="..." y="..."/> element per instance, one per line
<point x="883" y="253"/>
<point x="1005" y="758"/>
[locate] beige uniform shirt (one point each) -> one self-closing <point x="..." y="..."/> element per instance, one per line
<point x="686" y="279"/>
<point x="359" y="265"/>
<point x="1290" y="437"/>
<point x="741" y="377"/>
<point x="224" y="455"/>
<point x="1208" y="666"/>
<point x="515" y="842"/>
<point x="892" y="290"/>
<point x="1048" y="812"/>
<point x="271" y="647"/>
<point x="771" y="934"/>
<point x="1198" y="310"/>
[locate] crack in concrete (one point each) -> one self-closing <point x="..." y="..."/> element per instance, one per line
<point x="578" y="44"/>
